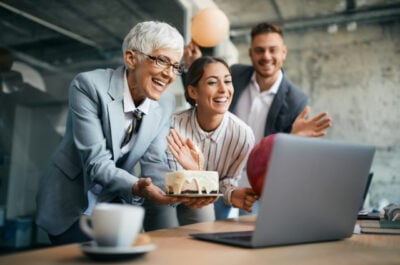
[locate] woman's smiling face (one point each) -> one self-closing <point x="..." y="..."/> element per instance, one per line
<point x="214" y="91"/>
<point x="146" y="79"/>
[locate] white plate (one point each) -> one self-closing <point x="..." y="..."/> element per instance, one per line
<point x="196" y="195"/>
<point x="112" y="253"/>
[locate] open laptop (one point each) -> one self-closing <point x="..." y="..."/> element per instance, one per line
<point x="313" y="191"/>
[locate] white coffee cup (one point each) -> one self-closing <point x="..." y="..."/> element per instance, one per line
<point x="113" y="225"/>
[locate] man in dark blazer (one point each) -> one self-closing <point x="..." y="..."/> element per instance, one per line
<point x="287" y="104"/>
<point x="264" y="97"/>
<point x="264" y="83"/>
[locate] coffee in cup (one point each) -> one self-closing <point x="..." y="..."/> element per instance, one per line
<point x="113" y="225"/>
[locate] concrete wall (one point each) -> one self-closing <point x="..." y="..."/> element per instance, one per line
<point x="355" y="76"/>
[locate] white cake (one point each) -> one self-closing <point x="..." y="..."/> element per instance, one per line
<point x="192" y="182"/>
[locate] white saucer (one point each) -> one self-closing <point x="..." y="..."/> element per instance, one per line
<point x="103" y="253"/>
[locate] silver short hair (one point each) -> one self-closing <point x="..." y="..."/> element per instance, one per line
<point x="152" y="35"/>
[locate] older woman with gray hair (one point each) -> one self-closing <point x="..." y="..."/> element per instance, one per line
<point x="117" y="118"/>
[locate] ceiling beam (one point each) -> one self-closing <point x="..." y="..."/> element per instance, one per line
<point x="35" y="62"/>
<point x="277" y="11"/>
<point x="351" y="5"/>
<point x="376" y="15"/>
<point x="361" y="17"/>
<point x="82" y="15"/>
<point x="51" y="26"/>
<point x="136" y="10"/>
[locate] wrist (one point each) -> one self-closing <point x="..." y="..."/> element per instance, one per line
<point x="137" y="198"/>
<point x="135" y="189"/>
<point x="229" y="197"/>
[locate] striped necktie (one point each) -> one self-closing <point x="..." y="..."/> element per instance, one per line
<point x="133" y="126"/>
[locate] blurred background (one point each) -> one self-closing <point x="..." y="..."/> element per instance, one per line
<point x="345" y="54"/>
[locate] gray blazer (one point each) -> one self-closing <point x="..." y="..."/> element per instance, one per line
<point x="288" y="103"/>
<point x="87" y="154"/>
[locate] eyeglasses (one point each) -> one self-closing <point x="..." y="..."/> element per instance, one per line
<point x="164" y="62"/>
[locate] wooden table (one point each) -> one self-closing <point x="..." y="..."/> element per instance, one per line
<point x="176" y="247"/>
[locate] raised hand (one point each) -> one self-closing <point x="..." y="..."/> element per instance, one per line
<point x="185" y="152"/>
<point x="191" y="53"/>
<point x="313" y="127"/>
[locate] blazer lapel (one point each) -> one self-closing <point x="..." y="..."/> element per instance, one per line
<point x="117" y="120"/>
<point x="116" y="110"/>
<point x="276" y="106"/>
<point x="241" y="79"/>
